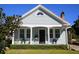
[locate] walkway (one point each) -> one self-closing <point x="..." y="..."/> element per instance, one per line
<point x="74" y="47"/>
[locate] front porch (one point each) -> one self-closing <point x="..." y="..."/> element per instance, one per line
<point x="40" y="35"/>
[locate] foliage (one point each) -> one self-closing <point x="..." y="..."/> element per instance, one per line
<point x="76" y="26"/>
<point x="8" y="24"/>
<point x="2" y="47"/>
<point x="75" y="29"/>
<point x="38" y="47"/>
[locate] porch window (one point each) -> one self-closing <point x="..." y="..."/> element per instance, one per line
<point x="57" y="33"/>
<point x="51" y="33"/>
<point x="22" y="34"/>
<point x="28" y="33"/>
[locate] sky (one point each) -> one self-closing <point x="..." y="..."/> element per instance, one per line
<point x="71" y="10"/>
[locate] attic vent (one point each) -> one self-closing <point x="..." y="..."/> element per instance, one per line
<point x="39" y="13"/>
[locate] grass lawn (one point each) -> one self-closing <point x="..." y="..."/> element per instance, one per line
<point x="40" y="51"/>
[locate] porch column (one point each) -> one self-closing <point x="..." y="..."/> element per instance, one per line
<point x="25" y="36"/>
<point x="48" y="35"/>
<point x="19" y="36"/>
<point x="13" y="38"/>
<point x="66" y="35"/>
<point x="31" y="35"/>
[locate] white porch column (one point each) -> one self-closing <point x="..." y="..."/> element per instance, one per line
<point x="66" y="36"/>
<point x="25" y="35"/>
<point x="48" y="35"/>
<point x="13" y="38"/>
<point x="19" y="36"/>
<point x="31" y="35"/>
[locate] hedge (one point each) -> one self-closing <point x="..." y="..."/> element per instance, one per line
<point x="38" y="46"/>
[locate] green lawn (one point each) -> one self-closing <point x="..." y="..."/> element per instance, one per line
<point x="40" y="51"/>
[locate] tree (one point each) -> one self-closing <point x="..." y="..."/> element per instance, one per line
<point x="75" y="27"/>
<point x="8" y="24"/>
<point x="75" y="30"/>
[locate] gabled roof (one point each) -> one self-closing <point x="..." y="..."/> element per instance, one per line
<point x="48" y="12"/>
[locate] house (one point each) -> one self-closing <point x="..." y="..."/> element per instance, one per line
<point x="41" y="26"/>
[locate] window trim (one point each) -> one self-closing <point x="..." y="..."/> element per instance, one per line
<point x="27" y="33"/>
<point x="57" y="33"/>
<point x="51" y="33"/>
<point x="40" y="13"/>
<point x="54" y="36"/>
<point x="21" y="33"/>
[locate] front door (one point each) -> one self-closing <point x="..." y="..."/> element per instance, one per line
<point x="41" y="36"/>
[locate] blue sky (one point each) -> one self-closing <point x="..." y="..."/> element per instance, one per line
<point x="71" y="10"/>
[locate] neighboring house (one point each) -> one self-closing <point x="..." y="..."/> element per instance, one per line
<point x="41" y="26"/>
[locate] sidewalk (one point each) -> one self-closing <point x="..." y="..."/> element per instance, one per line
<point x="74" y="47"/>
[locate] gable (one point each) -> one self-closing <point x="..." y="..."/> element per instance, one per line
<point x="48" y="18"/>
<point x="35" y="19"/>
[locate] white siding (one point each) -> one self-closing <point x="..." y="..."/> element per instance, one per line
<point x="62" y="39"/>
<point x="34" y="19"/>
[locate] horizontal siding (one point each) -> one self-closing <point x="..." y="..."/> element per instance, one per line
<point x="34" y="19"/>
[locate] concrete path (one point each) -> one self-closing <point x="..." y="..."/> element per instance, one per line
<point x="74" y="47"/>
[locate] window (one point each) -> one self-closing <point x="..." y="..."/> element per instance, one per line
<point x="57" y="33"/>
<point x="28" y="33"/>
<point x="51" y="33"/>
<point x="16" y="35"/>
<point x="39" y="13"/>
<point x="22" y="33"/>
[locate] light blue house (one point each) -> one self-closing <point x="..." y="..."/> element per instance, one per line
<point x="41" y="26"/>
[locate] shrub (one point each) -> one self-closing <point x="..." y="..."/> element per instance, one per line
<point x="8" y="42"/>
<point x="38" y="47"/>
<point x="2" y="47"/>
